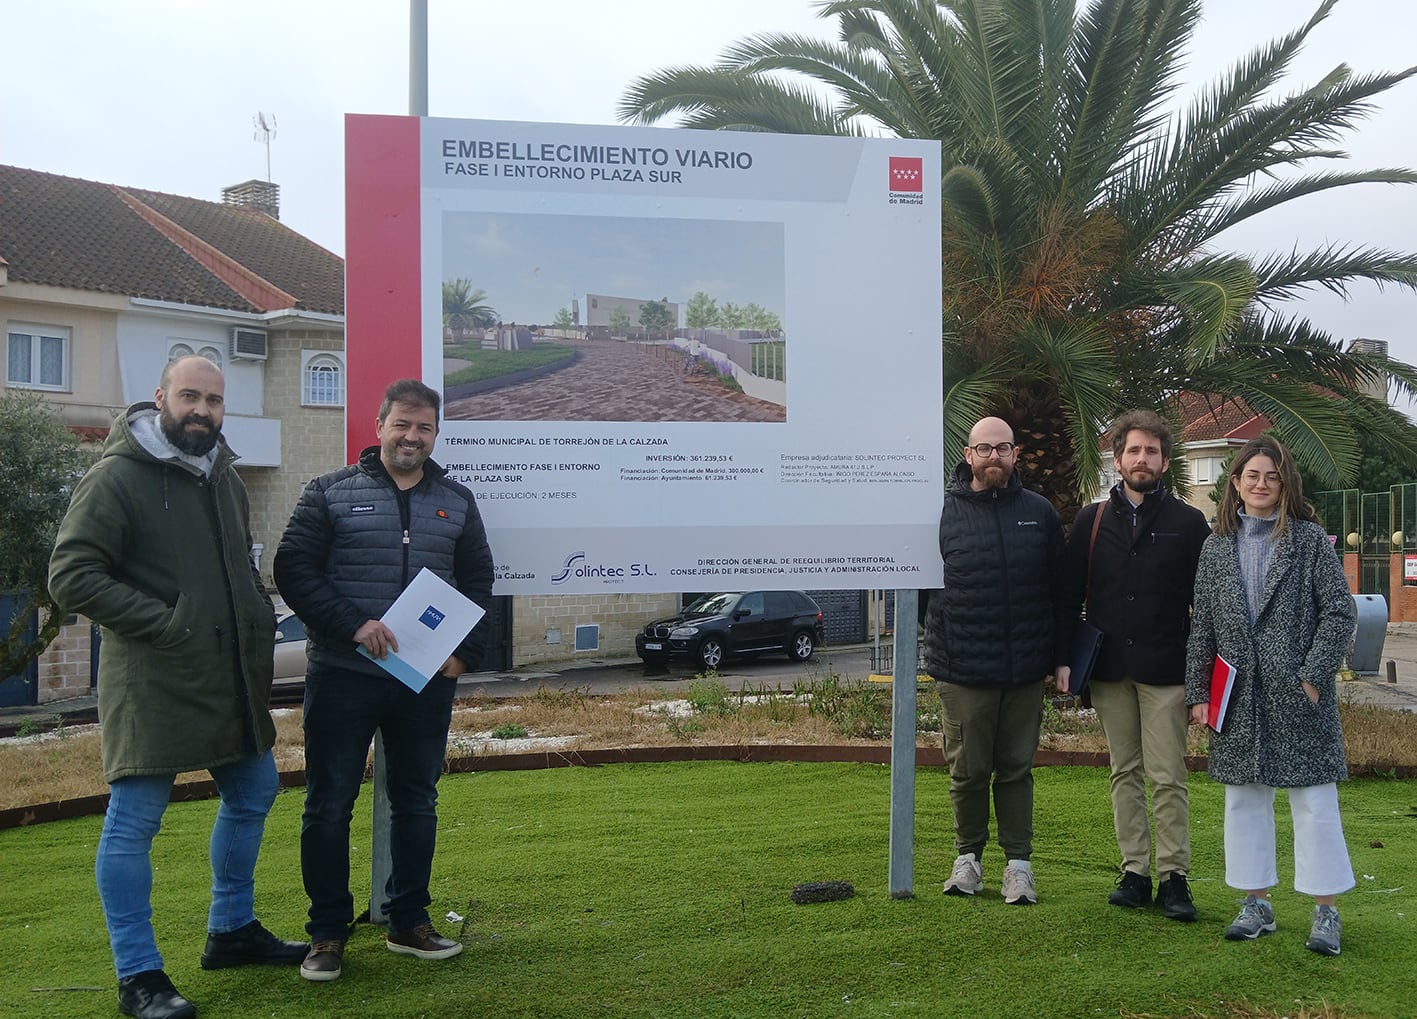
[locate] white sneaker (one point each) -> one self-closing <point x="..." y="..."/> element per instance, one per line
<point x="1018" y="884"/>
<point x="965" y="877"/>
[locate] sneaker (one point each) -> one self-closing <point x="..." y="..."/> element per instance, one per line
<point x="965" y="877"/>
<point x="1018" y="884"/>
<point x="1256" y="918"/>
<point x="1133" y="890"/>
<point x="150" y="995"/>
<point x="424" y="942"/>
<point x="1173" y="895"/>
<point x="1325" y="932"/>
<point x="249" y="945"/>
<point x="325" y="961"/>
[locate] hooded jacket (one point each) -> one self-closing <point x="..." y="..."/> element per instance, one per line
<point x="995" y="623"/>
<point x="349" y="552"/>
<point x="159" y="555"/>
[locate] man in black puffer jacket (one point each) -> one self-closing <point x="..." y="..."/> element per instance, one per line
<point x="357" y="538"/>
<point x="991" y="639"/>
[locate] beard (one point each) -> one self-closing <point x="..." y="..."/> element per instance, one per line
<point x="406" y="457"/>
<point x="1142" y="483"/>
<point x="992" y="473"/>
<point x="193" y="443"/>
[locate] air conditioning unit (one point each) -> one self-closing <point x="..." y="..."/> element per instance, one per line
<point x="248" y="344"/>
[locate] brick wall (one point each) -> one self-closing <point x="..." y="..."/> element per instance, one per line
<point x="1402" y="603"/>
<point x="620" y="617"/>
<point x="64" y="669"/>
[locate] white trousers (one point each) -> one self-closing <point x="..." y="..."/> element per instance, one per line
<point x="1321" y="864"/>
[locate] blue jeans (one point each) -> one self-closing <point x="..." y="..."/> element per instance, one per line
<point x="343" y="708"/>
<point x="124" y="867"/>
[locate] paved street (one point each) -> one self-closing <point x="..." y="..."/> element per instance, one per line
<point x="606" y="675"/>
<point x="616" y="381"/>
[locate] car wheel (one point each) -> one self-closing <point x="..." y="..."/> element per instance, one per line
<point x="801" y="647"/>
<point x="710" y="652"/>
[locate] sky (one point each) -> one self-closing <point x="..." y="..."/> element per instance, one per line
<point x="163" y="94"/>
<point x="533" y="265"/>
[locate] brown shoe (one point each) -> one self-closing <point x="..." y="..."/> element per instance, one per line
<point x="325" y="961"/>
<point x="424" y="942"/>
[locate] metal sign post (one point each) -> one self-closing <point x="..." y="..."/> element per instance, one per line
<point x="903" y="725"/>
<point x="380" y="862"/>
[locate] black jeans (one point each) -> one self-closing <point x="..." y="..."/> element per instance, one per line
<point x="343" y="708"/>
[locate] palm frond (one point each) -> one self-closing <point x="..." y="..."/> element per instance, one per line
<point x="1283" y="277"/>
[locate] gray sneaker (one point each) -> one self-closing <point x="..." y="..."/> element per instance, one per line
<point x="1256" y="918"/>
<point x="966" y="877"/>
<point x="1325" y="932"/>
<point x="1018" y="884"/>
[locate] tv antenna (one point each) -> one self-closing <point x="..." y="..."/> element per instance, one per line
<point x="265" y="124"/>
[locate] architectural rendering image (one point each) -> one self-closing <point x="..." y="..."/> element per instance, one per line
<point x="599" y="318"/>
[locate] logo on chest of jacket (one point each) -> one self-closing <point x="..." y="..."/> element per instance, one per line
<point x="1026" y="523"/>
<point x="366" y="508"/>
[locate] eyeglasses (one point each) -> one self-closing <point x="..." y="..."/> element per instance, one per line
<point x="984" y="448"/>
<point x="1252" y="478"/>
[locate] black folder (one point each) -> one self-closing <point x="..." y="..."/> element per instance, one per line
<point x="1087" y="642"/>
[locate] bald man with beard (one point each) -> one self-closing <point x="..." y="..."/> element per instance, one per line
<point x="991" y="639"/>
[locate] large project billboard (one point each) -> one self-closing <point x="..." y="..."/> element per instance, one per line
<point x="670" y="359"/>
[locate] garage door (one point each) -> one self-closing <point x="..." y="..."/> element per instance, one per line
<point x="843" y="615"/>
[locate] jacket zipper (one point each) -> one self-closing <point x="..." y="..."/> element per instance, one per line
<point x="1008" y="600"/>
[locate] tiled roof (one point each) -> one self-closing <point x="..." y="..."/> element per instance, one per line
<point x="1206" y="419"/>
<point x="65" y="232"/>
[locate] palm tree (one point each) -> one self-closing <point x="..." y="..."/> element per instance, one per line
<point x="1081" y="264"/>
<point x="465" y="309"/>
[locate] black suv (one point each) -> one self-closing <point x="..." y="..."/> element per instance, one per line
<point x="718" y="626"/>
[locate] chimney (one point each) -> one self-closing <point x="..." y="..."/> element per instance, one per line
<point x="261" y="195"/>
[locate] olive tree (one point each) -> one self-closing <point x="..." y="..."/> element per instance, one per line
<point x="40" y="459"/>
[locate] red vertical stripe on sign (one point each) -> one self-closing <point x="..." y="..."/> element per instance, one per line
<point x="382" y="331"/>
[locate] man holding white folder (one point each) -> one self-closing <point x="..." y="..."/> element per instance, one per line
<point x="357" y="540"/>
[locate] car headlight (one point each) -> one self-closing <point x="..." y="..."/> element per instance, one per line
<point x="683" y="632"/>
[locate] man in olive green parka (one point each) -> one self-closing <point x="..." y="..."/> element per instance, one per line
<point x="156" y="548"/>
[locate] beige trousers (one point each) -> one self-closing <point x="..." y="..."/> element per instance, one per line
<point x="1145" y="728"/>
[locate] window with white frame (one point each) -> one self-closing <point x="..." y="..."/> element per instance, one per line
<point x="178" y="350"/>
<point x="212" y="354"/>
<point x="1205" y="469"/>
<point x="321" y="379"/>
<point x="37" y="357"/>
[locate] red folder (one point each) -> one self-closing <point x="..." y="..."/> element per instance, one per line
<point x="1222" y="682"/>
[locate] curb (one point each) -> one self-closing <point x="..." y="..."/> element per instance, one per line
<point x="925" y="757"/>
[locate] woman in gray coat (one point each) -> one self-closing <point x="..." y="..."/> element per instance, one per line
<point x="1271" y="600"/>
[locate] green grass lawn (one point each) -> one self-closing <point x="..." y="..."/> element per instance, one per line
<point x="663" y="890"/>
<point x="490" y="364"/>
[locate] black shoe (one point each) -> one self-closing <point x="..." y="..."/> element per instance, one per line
<point x="1133" y="891"/>
<point x="150" y="995"/>
<point x="1173" y="895"/>
<point x="251" y="945"/>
